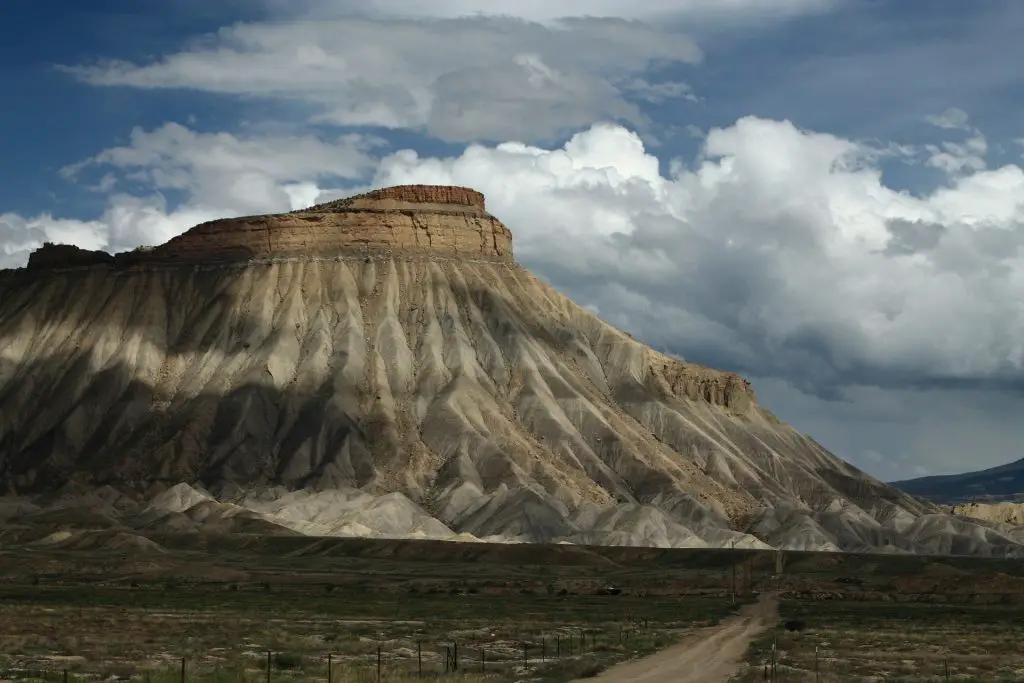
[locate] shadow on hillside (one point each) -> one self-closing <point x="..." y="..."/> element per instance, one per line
<point x="59" y="419"/>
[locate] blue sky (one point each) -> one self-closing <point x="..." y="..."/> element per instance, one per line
<point x="834" y="205"/>
<point x="58" y="119"/>
<point x="866" y="69"/>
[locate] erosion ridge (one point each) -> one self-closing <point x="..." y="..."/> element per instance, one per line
<point x="400" y="221"/>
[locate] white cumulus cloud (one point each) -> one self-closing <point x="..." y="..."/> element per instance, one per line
<point x="778" y="250"/>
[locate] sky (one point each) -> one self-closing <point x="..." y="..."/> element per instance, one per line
<point x="826" y="196"/>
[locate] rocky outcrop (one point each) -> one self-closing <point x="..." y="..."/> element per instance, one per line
<point x="696" y="382"/>
<point x="442" y="197"/>
<point x="401" y="221"/>
<point x="52" y="255"/>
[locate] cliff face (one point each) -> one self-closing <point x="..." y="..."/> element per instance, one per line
<point x="399" y="232"/>
<point x="403" y="221"/>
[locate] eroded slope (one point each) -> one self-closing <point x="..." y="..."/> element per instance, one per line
<point x="422" y="394"/>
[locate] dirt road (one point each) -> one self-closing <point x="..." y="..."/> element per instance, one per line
<point x="710" y="655"/>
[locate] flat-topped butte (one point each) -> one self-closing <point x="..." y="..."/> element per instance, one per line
<point x="400" y="221"/>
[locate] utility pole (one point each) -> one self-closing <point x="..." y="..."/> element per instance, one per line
<point x="734" y="571"/>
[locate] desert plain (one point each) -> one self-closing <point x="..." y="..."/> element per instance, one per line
<point x="245" y="608"/>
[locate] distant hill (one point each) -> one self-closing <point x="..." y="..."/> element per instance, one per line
<point x="1005" y="482"/>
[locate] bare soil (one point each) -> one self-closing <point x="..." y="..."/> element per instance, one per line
<point x="709" y="655"/>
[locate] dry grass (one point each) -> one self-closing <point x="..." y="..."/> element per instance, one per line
<point x="224" y="603"/>
<point x="223" y="634"/>
<point x="911" y="643"/>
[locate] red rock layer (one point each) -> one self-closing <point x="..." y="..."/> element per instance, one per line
<point x="401" y="221"/>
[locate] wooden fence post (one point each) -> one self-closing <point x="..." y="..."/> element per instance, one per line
<point x="268" y="666"/>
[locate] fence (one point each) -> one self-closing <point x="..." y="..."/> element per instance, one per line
<point x="815" y="664"/>
<point x="576" y="649"/>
